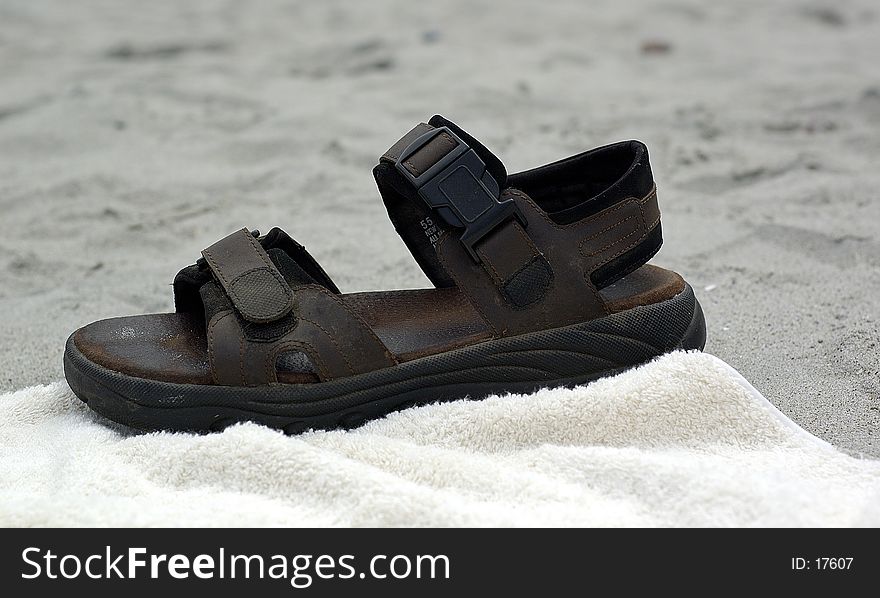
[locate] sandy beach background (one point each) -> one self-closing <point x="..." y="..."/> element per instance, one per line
<point x="134" y="134"/>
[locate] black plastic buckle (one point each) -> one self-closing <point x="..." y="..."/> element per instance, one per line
<point x="460" y="190"/>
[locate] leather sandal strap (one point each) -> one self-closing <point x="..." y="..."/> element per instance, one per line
<point x="250" y="279"/>
<point x="336" y="342"/>
<point x="573" y="252"/>
<point x="520" y="269"/>
<point x="262" y="317"/>
<point x="453" y="180"/>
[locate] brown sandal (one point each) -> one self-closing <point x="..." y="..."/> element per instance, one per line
<point x="540" y="281"/>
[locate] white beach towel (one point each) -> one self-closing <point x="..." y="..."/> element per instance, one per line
<point x="682" y="441"/>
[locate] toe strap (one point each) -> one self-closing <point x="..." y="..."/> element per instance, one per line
<point x="262" y="306"/>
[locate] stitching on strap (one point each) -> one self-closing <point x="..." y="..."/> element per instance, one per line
<point x="211" y="352"/>
<point x="333" y="341"/>
<point x="241" y="360"/>
<point x="363" y="322"/>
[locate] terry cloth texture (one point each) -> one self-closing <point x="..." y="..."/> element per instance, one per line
<point x="682" y="441"/>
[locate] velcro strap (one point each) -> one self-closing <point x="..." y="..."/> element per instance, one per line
<point x="252" y="282"/>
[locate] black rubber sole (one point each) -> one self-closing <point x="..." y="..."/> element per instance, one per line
<point x="565" y="356"/>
